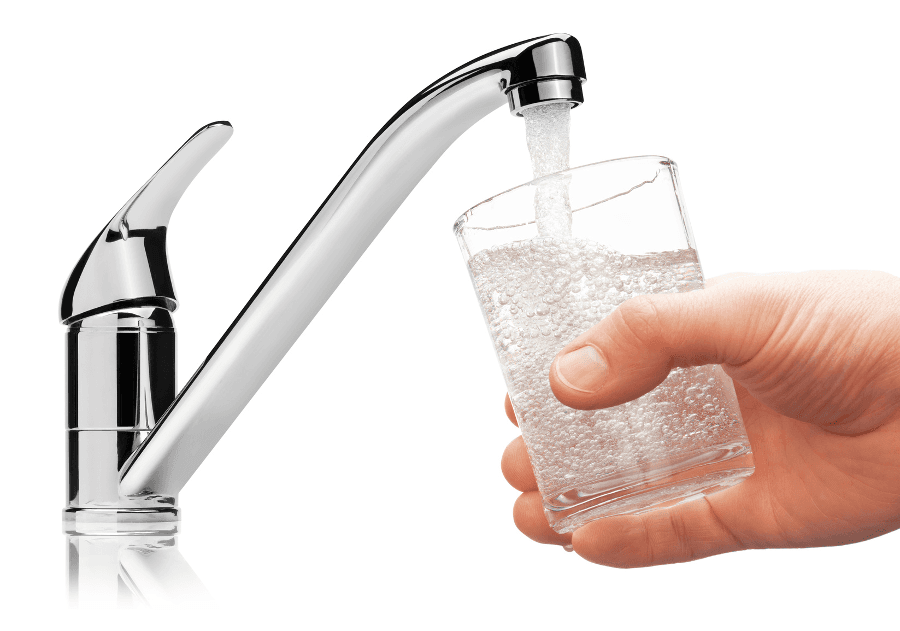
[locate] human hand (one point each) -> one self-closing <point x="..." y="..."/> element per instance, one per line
<point x="815" y="359"/>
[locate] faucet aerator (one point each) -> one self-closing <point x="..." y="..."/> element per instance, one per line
<point x="556" y="90"/>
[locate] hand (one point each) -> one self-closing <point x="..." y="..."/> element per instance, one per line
<point x="815" y="359"/>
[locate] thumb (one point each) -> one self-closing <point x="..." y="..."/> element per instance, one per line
<point x="631" y="351"/>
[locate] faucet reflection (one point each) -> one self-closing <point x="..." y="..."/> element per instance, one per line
<point x="132" y="443"/>
<point x="127" y="569"/>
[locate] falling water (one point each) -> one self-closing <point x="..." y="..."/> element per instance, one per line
<point x="547" y="135"/>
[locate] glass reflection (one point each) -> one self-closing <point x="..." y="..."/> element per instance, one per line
<point x="127" y="569"/>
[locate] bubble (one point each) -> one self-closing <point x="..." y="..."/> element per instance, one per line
<point x="542" y="314"/>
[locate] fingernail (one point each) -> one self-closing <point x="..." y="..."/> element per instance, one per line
<point x="569" y="548"/>
<point x="583" y="369"/>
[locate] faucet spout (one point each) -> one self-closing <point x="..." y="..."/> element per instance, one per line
<point x="539" y="70"/>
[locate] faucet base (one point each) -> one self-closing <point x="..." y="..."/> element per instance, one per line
<point x="112" y="521"/>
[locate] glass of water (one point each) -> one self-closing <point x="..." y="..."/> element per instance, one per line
<point x="630" y="235"/>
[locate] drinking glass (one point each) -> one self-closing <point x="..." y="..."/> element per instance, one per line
<point x="630" y="235"/>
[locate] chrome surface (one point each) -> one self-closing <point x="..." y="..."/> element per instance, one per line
<point x="551" y="91"/>
<point x="120" y="344"/>
<point x="551" y="73"/>
<point x="120" y="373"/>
<point x="325" y="250"/>
<point x="126" y="265"/>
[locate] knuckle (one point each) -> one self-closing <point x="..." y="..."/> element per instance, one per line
<point x="641" y="317"/>
<point x="679" y="541"/>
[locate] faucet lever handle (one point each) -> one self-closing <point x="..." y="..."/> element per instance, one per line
<point x="126" y="265"/>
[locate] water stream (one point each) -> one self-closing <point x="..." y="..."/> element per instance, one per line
<point x="547" y="135"/>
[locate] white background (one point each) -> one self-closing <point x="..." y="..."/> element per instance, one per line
<point x="361" y="487"/>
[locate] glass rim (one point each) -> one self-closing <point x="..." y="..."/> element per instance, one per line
<point x="463" y="219"/>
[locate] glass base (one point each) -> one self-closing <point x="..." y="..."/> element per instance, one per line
<point x="659" y="484"/>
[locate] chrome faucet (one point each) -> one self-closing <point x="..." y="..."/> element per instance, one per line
<point x="132" y="442"/>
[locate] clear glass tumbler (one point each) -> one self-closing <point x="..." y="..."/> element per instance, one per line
<point x="630" y="236"/>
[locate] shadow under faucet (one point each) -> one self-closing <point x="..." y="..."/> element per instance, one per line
<point x="132" y="443"/>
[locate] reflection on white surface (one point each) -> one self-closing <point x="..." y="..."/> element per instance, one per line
<point x="126" y="570"/>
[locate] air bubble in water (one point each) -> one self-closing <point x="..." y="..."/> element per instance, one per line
<point x="595" y="443"/>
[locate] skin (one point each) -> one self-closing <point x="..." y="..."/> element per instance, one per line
<point x="815" y="359"/>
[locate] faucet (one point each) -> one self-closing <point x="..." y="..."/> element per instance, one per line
<point x="133" y="442"/>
